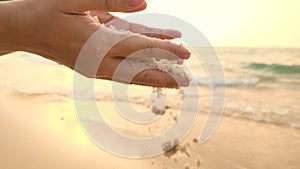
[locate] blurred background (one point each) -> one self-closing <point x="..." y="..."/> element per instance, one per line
<point x="258" y="44"/>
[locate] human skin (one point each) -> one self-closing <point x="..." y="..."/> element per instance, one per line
<point x="58" y="29"/>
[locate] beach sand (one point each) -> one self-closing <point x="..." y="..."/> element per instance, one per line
<point x="42" y="132"/>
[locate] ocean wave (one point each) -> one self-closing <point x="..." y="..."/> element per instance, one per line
<point x="229" y="81"/>
<point x="49" y="79"/>
<point x="288" y="116"/>
<point x="275" y="68"/>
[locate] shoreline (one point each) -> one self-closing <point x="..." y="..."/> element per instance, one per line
<point x="43" y="132"/>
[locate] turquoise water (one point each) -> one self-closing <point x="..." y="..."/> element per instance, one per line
<point x="276" y="68"/>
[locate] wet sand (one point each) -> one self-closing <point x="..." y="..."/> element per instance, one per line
<point x="41" y="131"/>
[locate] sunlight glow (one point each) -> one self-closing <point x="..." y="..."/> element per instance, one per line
<point x="236" y="22"/>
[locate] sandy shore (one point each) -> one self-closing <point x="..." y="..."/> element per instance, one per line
<point x="41" y="132"/>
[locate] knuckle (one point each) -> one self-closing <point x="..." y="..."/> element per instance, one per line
<point x="171" y="48"/>
<point x="148" y="48"/>
<point x="149" y="43"/>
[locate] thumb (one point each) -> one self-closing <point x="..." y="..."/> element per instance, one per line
<point x="70" y="6"/>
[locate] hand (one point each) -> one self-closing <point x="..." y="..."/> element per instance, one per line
<point x="58" y="29"/>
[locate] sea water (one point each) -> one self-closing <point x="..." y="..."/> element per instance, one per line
<point x="262" y="84"/>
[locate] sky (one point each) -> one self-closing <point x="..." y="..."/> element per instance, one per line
<point x="262" y="23"/>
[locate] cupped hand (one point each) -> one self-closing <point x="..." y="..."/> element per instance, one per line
<point x="58" y="30"/>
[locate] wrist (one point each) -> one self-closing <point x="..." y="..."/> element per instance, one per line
<point x="15" y="27"/>
<point x="8" y="24"/>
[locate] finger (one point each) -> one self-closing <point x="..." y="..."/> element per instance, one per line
<point x="140" y="8"/>
<point x="148" y="47"/>
<point x="71" y="6"/>
<point x="121" y="24"/>
<point x="142" y="29"/>
<point x="147" y="77"/>
<point x="156" y="78"/>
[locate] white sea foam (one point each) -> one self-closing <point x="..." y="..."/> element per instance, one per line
<point x="37" y="78"/>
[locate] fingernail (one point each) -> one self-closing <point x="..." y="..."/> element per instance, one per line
<point x="176" y="34"/>
<point x="184" y="83"/>
<point x="135" y="3"/>
<point x="186" y="56"/>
